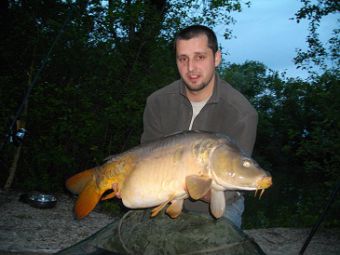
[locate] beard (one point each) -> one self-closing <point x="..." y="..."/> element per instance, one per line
<point x="196" y="89"/>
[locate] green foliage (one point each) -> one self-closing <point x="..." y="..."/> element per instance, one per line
<point x="319" y="54"/>
<point x="249" y="78"/>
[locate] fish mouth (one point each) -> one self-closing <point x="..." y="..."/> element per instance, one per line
<point x="262" y="184"/>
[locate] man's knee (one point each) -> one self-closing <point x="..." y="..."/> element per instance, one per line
<point x="234" y="211"/>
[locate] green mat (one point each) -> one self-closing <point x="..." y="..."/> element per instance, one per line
<point x="137" y="233"/>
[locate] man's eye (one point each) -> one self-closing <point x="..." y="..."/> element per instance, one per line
<point x="182" y="59"/>
<point x="200" y="57"/>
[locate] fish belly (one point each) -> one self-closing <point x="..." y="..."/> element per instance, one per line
<point x="156" y="180"/>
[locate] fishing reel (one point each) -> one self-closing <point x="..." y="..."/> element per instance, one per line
<point x="17" y="135"/>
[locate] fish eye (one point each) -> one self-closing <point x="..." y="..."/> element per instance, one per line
<point x="246" y="163"/>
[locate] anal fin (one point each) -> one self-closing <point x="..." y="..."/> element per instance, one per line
<point x="109" y="196"/>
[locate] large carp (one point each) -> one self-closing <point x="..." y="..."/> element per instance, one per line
<point x="169" y="170"/>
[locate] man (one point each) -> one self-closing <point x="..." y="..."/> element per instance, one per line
<point x="200" y="100"/>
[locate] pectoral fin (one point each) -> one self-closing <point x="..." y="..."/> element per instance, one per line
<point x="175" y="209"/>
<point x="217" y="203"/>
<point x="197" y="186"/>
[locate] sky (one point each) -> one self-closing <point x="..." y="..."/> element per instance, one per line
<point x="265" y="33"/>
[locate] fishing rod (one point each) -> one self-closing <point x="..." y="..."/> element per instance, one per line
<point x="18" y="135"/>
<point x="321" y="218"/>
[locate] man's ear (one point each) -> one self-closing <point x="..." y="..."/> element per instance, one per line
<point x="218" y="58"/>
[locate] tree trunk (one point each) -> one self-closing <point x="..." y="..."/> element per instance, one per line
<point x="13" y="168"/>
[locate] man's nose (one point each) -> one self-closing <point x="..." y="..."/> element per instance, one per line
<point x="191" y="65"/>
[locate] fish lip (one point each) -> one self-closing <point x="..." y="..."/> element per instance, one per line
<point x="265" y="182"/>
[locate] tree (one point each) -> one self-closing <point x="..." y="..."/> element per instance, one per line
<point x="250" y="78"/>
<point x="318" y="53"/>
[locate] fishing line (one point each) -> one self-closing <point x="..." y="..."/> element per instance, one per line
<point x="9" y="134"/>
<point x="127" y="250"/>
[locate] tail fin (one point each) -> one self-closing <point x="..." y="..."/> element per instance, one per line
<point x="78" y="182"/>
<point x="87" y="199"/>
<point x="84" y="184"/>
<point x="92" y="183"/>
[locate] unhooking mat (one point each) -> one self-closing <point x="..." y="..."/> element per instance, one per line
<point x="137" y="233"/>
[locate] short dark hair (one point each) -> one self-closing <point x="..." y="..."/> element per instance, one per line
<point x="195" y="31"/>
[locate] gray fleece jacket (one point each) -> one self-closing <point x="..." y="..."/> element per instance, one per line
<point x="169" y="111"/>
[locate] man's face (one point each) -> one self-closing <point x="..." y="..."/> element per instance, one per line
<point x="196" y="63"/>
